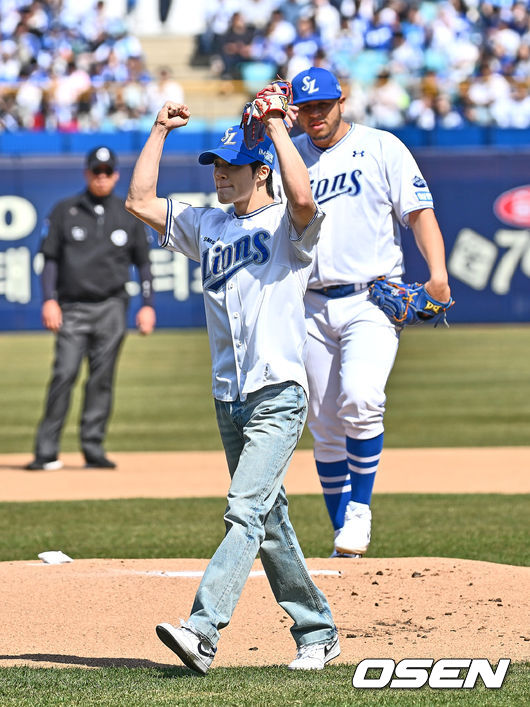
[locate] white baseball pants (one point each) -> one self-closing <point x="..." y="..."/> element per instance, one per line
<point x="351" y="349"/>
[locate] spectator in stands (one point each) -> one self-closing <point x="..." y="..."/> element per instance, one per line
<point x="28" y="98"/>
<point x="217" y="18"/>
<point x="521" y="70"/>
<point x="235" y="47"/>
<point x="163" y="88"/>
<point x="37" y="19"/>
<point x="387" y="101"/>
<point x="9" y="121"/>
<point x="421" y="112"/>
<point x="447" y="40"/>
<point x="327" y="21"/>
<point x="505" y="42"/>
<point x="293" y="9"/>
<point x="281" y="31"/>
<point x="68" y="84"/>
<point x="264" y="48"/>
<point x="96" y="23"/>
<point x="346" y="47"/>
<point x="487" y="88"/>
<point x="513" y="111"/>
<point x="429" y="83"/>
<point x="9" y="62"/>
<point x="445" y="115"/>
<point x="404" y="59"/>
<point x="294" y="63"/>
<point x="356" y="103"/>
<point x="257" y="13"/>
<point x="414" y="27"/>
<point x="379" y="32"/>
<point x="307" y="39"/>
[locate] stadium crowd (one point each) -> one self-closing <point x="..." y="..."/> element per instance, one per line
<point x="423" y="63"/>
<point x="73" y="65"/>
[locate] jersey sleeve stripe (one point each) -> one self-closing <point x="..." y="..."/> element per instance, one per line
<point x="169" y="217"/>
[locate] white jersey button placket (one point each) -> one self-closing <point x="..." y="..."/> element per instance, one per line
<point x="234" y="316"/>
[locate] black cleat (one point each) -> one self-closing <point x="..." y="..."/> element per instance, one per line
<point x="99" y="463"/>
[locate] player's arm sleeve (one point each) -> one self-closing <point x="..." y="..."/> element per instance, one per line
<point x="304" y="243"/>
<point x="182" y="229"/>
<point x="408" y="188"/>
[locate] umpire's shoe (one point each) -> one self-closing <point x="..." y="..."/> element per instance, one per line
<point x="314" y="656"/>
<point x="44" y="465"/>
<point x="194" y="651"/>
<point x="99" y="463"/>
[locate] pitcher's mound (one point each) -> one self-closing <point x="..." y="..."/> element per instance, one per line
<point x="97" y="613"/>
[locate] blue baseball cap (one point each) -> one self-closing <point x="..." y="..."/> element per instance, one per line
<point x="232" y="148"/>
<point x="315" y="84"/>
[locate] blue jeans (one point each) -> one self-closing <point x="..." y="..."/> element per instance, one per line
<point x="259" y="437"/>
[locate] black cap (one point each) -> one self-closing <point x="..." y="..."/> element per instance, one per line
<point x="101" y="156"/>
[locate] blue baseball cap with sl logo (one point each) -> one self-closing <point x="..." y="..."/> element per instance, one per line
<point x="232" y="148"/>
<point x="315" y="84"/>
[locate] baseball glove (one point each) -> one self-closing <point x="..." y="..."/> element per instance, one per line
<point x="265" y="102"/>
<point x="407" y="304"/>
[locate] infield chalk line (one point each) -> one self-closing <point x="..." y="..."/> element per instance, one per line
<point x="199" y="573"/>
<point x="187" y="573"/>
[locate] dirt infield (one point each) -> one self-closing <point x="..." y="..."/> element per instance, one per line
<point x="94" y="613"/>
<point x="188" y="474"/>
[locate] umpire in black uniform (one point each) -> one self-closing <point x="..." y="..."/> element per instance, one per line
<point x="91" y="241"/>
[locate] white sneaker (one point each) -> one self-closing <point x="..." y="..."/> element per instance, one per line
<point x="354" y="537"/>
<point x="315" y="655"/>
<point x="193" y="650"/>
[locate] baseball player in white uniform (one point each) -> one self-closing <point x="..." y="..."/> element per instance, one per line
<point x="368" y="185"/>
<point x="255" y="263"/>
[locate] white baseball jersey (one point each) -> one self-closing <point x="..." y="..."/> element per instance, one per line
<point x="255" y="270"/>
<point x="366" y="185"/>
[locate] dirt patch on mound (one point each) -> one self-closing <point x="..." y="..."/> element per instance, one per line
<point x="95" y="613"/>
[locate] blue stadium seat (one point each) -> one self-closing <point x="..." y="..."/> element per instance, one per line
<point x="256" y="75"/>
<point x="367" y="65"/>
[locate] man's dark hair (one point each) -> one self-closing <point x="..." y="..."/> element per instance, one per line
<point x="268" y="184"/>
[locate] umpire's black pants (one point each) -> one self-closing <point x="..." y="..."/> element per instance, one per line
<point x="95" y="330"/>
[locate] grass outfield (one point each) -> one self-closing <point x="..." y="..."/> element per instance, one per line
<point x="489" y="527"/>
<point x="237" y="687"/>
<point x="464" y="386"/>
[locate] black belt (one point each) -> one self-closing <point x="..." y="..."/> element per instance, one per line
<point x="334" y="291"/>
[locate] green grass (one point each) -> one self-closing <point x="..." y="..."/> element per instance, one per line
<point x="238" y="687"/>
<point x="486" y="527"/>
<point x="463" y="386"/>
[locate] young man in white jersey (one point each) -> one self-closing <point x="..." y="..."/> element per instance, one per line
<point x="368" y="185"/>
<point x="255" y="266"/>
